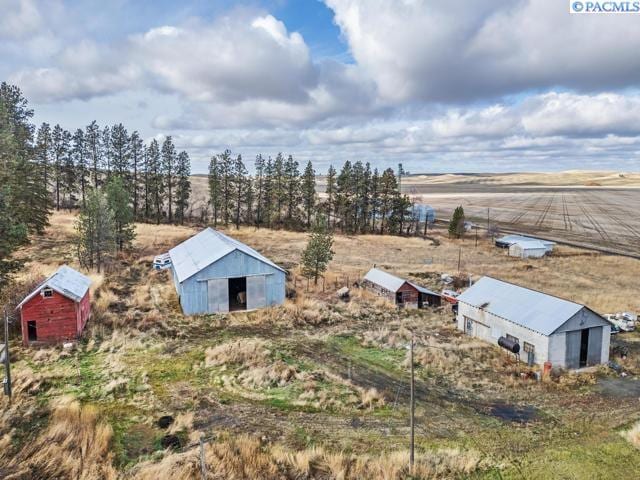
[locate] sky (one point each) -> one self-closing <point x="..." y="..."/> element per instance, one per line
<point x="439" y="85"/>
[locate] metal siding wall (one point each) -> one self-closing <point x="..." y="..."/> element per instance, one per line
<point x="594" y="352"/>
<point x="236" y="264"/>
<point x="256" y="292"/>
<point x="558" y="349"/>
<point x="572" y="357"/>
<point x="606" y="340"/>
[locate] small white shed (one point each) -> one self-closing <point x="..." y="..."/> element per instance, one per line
<point x="528" y="249"/>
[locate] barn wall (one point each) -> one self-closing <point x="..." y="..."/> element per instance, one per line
<point x="558" y="349"/>
<point x="584" y="318"/>
<point x="56" y="318"/>
<point x="410" y="295"/>
<point x="379" y="290"/>
<point x="490" y="328"/>
<point x="193" y="291"/>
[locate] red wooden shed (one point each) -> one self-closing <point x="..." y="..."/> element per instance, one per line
<point x="58" y="309"/>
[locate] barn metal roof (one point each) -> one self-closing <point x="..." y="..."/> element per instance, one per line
<point x="530" y="244"/>
<point x="66" y="281"/>
<point x="511" y="239"/>
<point x="205" y="248"/>
<point x="391" y="282"/>
<point x="534" y="310"/>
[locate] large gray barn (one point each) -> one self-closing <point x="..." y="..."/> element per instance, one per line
<point x="216" y="273"/>
<point x="548" y="328"/>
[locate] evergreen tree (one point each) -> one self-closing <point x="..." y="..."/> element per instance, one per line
<point x="80" y="159"/>
<point x="331" y="196"/>
<point x="120" y="153"/>
<point x="95" y="239"/>
<point x="156" y="185"/>
<point x="168" y="172"/>
<point x="344" y="196"/>
<point x="215" y="188"/>
<point x="268" y="195"/>
<point x="309" y="192"/>
<point x="239" y="183"/>
<point x="278" y="187"/>
<point x="292" y="189"/>
<point x="121" y="212"/>
<point x="374" y="199"/>
<point x="183" y="185"/>
<point x="136" y="154"/>
<point x="259" y="189"/>
<point x="106" y="152"/>
<point x="69" y="178"/>
<point x="456" y="224"/>
<point x="94" y="150"/>
<point x="43" y="151"/>
<point x="59" y="152"/>
<point x="146" y="189"/>
<point x="225" y="168"/>
<point x="388" y="193"/>
<point x="317" y="254"/>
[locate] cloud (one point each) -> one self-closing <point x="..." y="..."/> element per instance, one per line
<point x="455" y="50"/>
<point x="19" y="19"/>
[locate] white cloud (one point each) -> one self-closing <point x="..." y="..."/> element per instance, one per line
<point x="19" y="19"/>
<point x="444" y="50"/>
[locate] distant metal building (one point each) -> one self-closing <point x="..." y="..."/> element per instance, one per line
<point x="547" y="328"/>
<point x="58" y="309"/>
<point x="528" y="249"/>
<point x="215" y="273"/>
<point x="399" y="291"/>
<point x="508" y="240"/>
<point x="423" y="212"/>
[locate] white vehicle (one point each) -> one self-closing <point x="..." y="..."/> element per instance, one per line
<point x="161" y="262"/>
<point x="624" y="320"/>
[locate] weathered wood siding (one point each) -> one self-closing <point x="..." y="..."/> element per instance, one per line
<point x="57" y="318"/>
<point x="410" y="294"/>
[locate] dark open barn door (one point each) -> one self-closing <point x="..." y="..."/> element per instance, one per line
<point x="32" y="330"/>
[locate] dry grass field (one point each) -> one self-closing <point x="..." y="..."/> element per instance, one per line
<point x="316" y="388"/>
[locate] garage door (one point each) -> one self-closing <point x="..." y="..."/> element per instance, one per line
<point x="594" y="352"/>
<point x="217" y="295"/>
<point x="256" y="292"/>
<point x="572" y="359"/>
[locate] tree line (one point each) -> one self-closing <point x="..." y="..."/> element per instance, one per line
<point x="357" y="199"/>
<point x="154" y="175"/>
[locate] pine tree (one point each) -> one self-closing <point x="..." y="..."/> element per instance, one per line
<point x="215" y="188"/>
<point x="43" y="151"/>
<point x="168" y="172"/>
<point x="456" y="224"/>
<point x="69" y="178"/>
<point x="59" y="152"/>
<point x="388" y="193"/>
<point x="317" y="254"/>
<point x="136" y="153"/>
<point x="183" y="185"/>
<point x="146" y="189"/>
<point x="120" y="153"/>
<point x="94" y="150"/>
<point x="331" y="196"/>
<point x="80" y="159"/>
<point x="268" y="195"/>
<point x="292" y="189"/>
<point x="122" y="213"/>
<point x="343" y="199"/>
<point x="156" y="185"/>
<point x="225" y="168"/>
<point x="309" y="191"/>
<point x="259" y="189"/>
<point x="95" y="239"/>
<point x="278" y="185"/>
<point x="239" y="182"/>
<point x="374" y="201"/>
<point x="106" y="152"/>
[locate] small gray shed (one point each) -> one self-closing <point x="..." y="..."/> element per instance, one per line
<point x="528" y="249"/>
<point x="213" y="273"/>
<point x="548" y="328"/>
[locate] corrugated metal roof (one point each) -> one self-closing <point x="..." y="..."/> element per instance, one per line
<point x="511" y="239"/>
<point x="391" y="282"/>
<point x="534" y="310"/>
<point x="66" y="281"/>
<point x="205" y="248"/>
<point x="384" y="279"/>
<point x="530" y="244"/>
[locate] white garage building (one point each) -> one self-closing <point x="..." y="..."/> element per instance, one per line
<point x="528" y="249"/>
<point x="548" y="328"/>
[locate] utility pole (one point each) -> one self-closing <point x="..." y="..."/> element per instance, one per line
<point x="5" y="356"/>
<point x="413" y="409"/>
<point x="459" y="257"/>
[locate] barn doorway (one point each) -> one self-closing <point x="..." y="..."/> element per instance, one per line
<point x="399" y="298"/>
<point x="584" y="347"/>
<point x="237" y="294"/>
<point x="32" y="331"/>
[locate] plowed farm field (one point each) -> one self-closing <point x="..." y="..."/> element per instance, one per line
<point x="598" y="217"/>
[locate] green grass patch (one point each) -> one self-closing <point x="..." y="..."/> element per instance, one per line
<point x="385" y="359"/>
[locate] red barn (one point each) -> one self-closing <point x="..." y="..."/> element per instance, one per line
<point x="399" y="291"/>
<point x="58" y="309"/>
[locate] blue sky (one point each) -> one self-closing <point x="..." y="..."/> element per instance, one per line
<point x="440" y="85"/>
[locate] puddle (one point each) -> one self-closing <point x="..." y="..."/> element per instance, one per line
<point x="619" y="387"/>
<point x="513" y="413"/>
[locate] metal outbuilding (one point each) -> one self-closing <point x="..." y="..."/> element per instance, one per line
<point x="213" y="273"/>
<point x="508" y="240"/>
<point x="398" y="290"/>
<point x="547" y="328"/>
<point x="528" y="249"/>
<point x="58" y="309"/>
